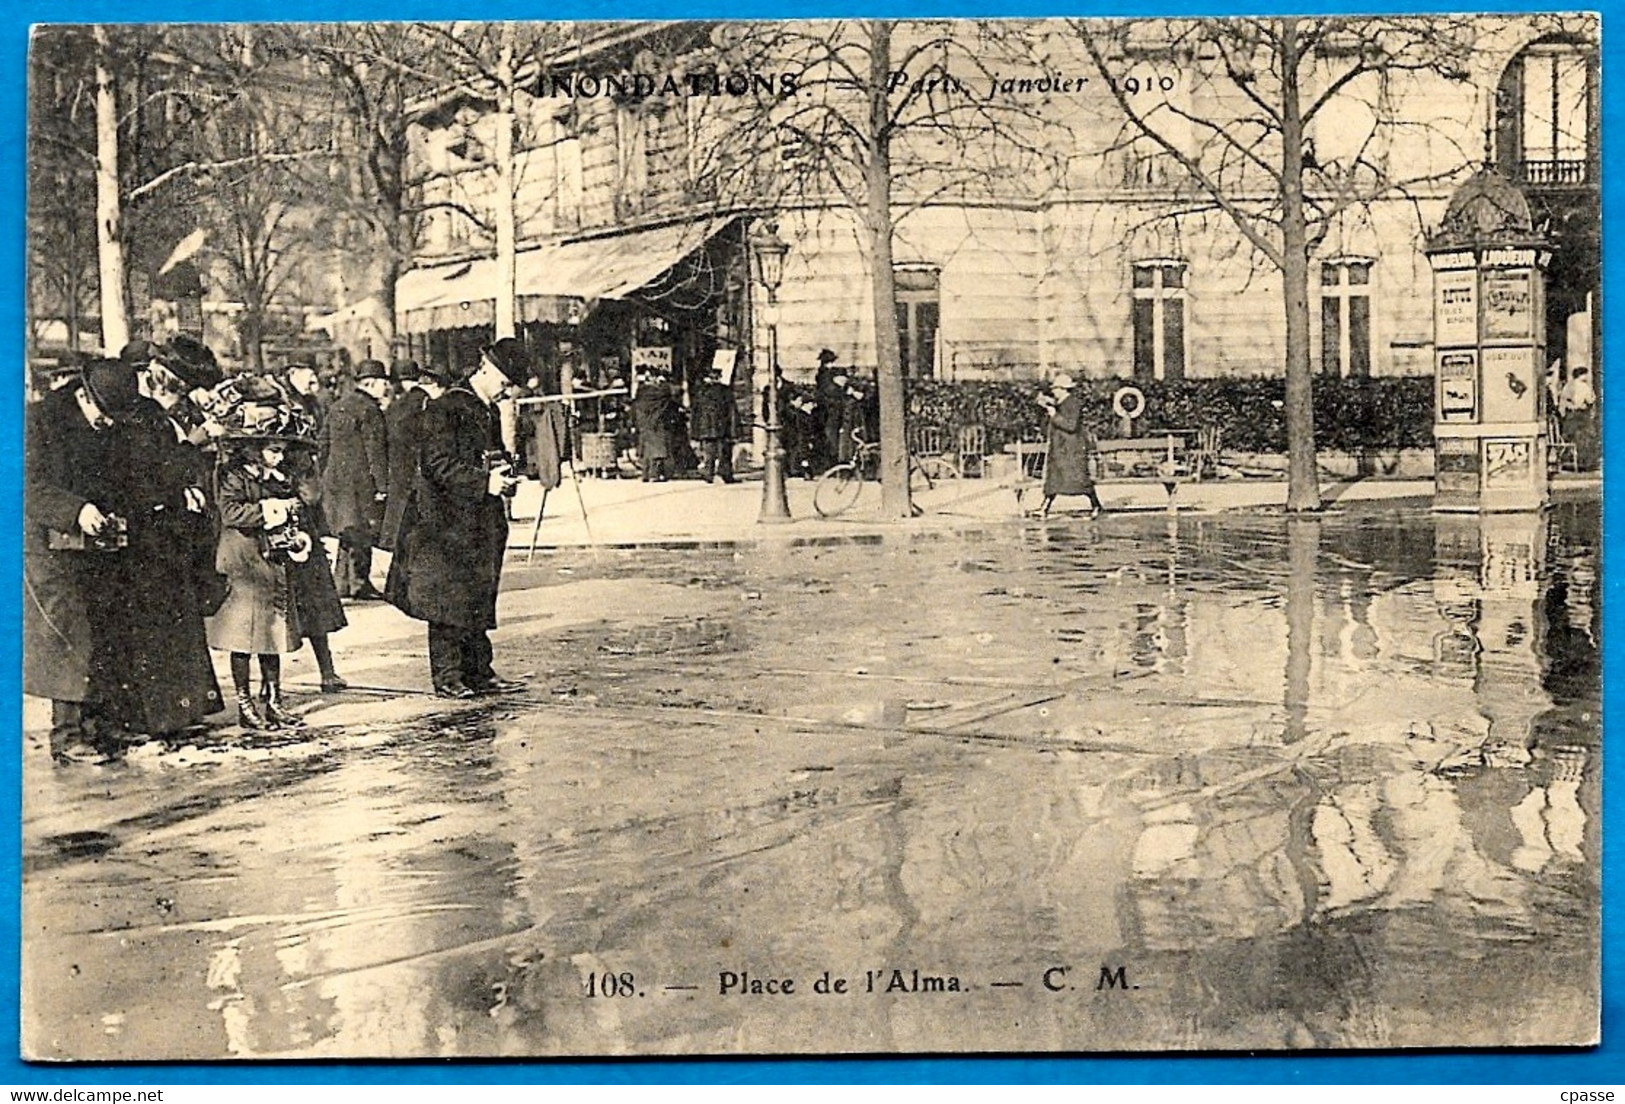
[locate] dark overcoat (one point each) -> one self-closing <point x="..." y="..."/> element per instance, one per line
<point x="401" y="423"/>
<point x="448" y="564"/>
<point x="64" y="467"/>
<point x="120" y="629"/>
<point x="357" y="470"/>
<point x="157" y="661"/>
<point x="1067" y="468"/>
<point x="715" y="416"/>
<point x="651" y="417"/>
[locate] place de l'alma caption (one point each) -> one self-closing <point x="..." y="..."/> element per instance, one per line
<point x="1055" y="979"/>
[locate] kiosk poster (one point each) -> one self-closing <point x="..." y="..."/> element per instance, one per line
<point x="1455" y="307"/>
<point x="1511" y="385"/>
<point x="1508" y="304"/>
<point x="943" y="760"/>
<point x="1458" y="386"/>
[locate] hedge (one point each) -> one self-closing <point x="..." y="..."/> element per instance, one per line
<point x="1350" y="415"/>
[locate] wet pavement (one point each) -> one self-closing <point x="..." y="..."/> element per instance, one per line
<point x="1149" y="782"/>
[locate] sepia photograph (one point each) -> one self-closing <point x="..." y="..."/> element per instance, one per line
<point x="815" y="537"/>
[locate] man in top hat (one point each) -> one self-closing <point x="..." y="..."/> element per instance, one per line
<point x="355" y="479"/>
<point x="1068" y="469"/>
<point x="715" y="424"/>
<point x="457" y="530"/>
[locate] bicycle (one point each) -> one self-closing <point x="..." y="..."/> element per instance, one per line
<point x="837" y="490"/>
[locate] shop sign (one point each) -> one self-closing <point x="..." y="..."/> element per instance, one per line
<point x="652" y="358"/>
<point x="723" y="361"/>
<point x="1455" y="308"/>
<point x="1508" y="304"/>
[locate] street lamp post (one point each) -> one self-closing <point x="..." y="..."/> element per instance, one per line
<point x="769" y="250"/>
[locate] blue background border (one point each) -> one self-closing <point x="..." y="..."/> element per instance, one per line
<point x="1578" y="1068"/>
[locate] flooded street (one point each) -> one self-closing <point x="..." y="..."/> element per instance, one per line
<point x="1224" y="781"/>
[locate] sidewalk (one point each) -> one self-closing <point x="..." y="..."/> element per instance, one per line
<point x="629" y="511"/>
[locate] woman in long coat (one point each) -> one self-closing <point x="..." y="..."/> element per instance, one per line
<point x="1068" y="469"/>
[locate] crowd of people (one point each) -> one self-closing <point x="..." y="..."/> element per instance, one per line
<point x="821" y="429"/>
<point x="171" y="509"/>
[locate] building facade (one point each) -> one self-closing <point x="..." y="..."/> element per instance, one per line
<point x="634" y="196"/>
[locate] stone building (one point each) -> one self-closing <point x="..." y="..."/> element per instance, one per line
<point x="1095" y="255"/>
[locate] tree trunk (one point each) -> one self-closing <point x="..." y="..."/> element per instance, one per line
<point x="386" y="297"/>
<point x="1303" y="482"/>
<point x="109" y="231"/>
<point x="506" y="264"/>
<point x="1303" y="557"/>
<point x="894" y="497"/>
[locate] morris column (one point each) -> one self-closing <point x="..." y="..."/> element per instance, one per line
<point x="1490" y="402"/>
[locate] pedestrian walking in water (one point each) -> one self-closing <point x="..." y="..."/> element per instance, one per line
<point x="1069" y="467"/>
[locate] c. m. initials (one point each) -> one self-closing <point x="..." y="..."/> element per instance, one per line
<point x="1111" y="978"/>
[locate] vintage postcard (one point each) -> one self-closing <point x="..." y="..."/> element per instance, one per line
<point x="831" y="537"/>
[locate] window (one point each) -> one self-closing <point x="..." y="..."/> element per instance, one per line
<point x="1159" y="320"/>
<point x="1546" y="115"/>
<point x="1554" y="114"/>
<point x="631" y="160"/>
<point x="919" y="313"/>
<point x="1345" y="318"/>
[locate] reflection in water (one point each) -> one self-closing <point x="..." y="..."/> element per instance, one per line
<point x="1310" y="782"/>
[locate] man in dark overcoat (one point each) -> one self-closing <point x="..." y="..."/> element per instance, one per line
<point x="459" y="529"/>
<point x="651" y="412"/>
<point x="716" y="423"/>
<point x="401" y="424"/>
<point x="112" y="635"/>
<point x="355" y="480"/>
<point x="1068" y="467"/>
<point x="66" y="450"/>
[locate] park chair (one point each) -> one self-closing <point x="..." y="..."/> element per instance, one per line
<point x="1209" y="440"/>
<point x="1558" y="447"/>
<point x="972" y="450"/>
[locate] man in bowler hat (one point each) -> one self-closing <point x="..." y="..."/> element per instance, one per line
<point x="355" y="478"/>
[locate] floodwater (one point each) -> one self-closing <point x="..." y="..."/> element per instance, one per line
<point x="1143" y="783"/>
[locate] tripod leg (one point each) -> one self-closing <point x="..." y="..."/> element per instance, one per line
<point x="536" y="529"/>
<point x="581" y="502"/>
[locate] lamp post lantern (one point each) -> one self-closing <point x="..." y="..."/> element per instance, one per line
<point x="769" y="251"/>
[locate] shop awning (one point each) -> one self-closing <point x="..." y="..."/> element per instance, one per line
<point x="546" y="278"/>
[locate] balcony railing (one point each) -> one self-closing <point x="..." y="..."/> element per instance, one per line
<point x="1554" y="173"/>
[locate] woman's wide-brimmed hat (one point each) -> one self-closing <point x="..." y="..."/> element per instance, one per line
<point x="258" y="409"/>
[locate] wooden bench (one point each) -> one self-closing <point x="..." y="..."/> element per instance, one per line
<point x="1155" y="458"/>
<point x="1164" y="458"/>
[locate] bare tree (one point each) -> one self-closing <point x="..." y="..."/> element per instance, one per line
<point x="142" y="142"/>
<point x="1257" y="163"/>
<point x="886" y="119"/>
